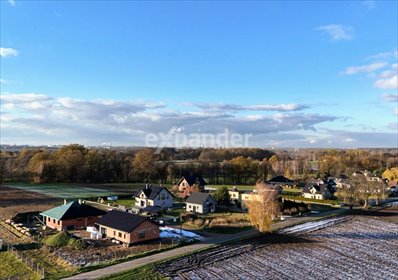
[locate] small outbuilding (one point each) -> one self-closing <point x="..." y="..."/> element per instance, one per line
<point x="127" y="228"/>
<point x="202" y="203"/>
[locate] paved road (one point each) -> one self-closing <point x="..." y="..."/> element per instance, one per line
<point x="95" y="274"/>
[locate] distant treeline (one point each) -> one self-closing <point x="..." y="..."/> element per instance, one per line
<point x="78" y="164"/>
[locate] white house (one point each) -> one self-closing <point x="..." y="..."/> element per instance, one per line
<point x="154" y="196"/>
<point x="318" y="191"/>
<point x="202" y="203"/>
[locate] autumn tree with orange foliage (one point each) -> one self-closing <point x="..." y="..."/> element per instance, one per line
<point x="263" y="206"/>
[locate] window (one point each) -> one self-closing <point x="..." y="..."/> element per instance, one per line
<point x="141" y="235"/>
<point x="49" y="219"/>
<point x="114" y="233"/>
<point x="58" y="222"/>
<point x="163" y="196"/>
<point x="54" y="221"/>
<point x="124" y="236"/>
<point x="120" y="234"/>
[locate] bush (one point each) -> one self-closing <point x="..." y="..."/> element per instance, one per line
<point x="63" y="239"/>
<point x="78" y="244"/>
<point x="57" y="240"/>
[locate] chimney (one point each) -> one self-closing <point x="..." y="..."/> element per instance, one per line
<point x="65" y="201"/>
<point x="80" y="201"/>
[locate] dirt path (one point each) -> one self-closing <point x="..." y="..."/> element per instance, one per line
<point x="95" y="274"/>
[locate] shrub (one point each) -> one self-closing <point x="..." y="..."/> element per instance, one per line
<point x="77" y="244"/>
<point x="57" y="240"/>
<point x="63" y="239"/>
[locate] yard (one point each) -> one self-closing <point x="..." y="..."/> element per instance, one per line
<point x="226" y="223"/>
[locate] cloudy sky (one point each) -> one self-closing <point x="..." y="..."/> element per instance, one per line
<point x="290" y="74"/>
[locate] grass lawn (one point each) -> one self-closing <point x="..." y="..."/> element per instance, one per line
<point x="145" y="272"/>
<point x="126" y="202"/>
<point x="230" y="187"/>
<point x="10" y="266"/>
<point x="225" y="223"/>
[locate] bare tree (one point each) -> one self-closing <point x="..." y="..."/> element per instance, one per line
<point x="263" y="206"/>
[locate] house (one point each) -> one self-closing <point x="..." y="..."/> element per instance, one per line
<point x="154" y="196"/>
<point x="318" y="191"/>
<point x="281" y="181"/>
<point x="189" y="184"/>
<point x="235" y="196"/>
<point x="248" y="196"/>
<point x="72" y="215"/>
<point x="127" y="228"/>
<point x="202" y="203"/>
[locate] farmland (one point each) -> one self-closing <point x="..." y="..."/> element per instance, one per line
<point x="13" y="201"/>
<point x="353" y="247"/>
<point x="74" y="191"/>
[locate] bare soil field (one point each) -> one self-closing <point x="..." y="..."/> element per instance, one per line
<point x="352" y="247"/>
<point x="13" y="201"/>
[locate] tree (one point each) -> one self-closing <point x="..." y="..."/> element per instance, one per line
<point x="349" y="192"/>
<point x="263" y="207"/>
<point x="391" y="174"/>
<point x="144" y="164"/>
<point x="222" y="196"/>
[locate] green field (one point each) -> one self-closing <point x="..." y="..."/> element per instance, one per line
<point x="11" y="267"/>
<point x="74" y="191"/>
<point x="230" y="187"/>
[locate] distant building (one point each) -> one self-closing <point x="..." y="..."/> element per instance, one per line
<point x="281" y="181"/>
<point x="127" y="228"/>
<point x="202" y="203"/>
<point x="189" y="184"/>
<point x="154" y="196"/>
<point x="318" y="190"/>
<point x="246" y="197"/>
<point x="71" y="215"/>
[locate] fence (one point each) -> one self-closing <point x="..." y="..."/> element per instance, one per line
<point x="26" y="259"/>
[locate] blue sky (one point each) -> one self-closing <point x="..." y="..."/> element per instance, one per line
<point x="291" y="74"/>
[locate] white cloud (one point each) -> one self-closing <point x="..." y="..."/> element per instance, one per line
<point x="56" y="120"/>
<point x="11" y="2"/>
<point x="337" y="32"/>
<point x="387" y="83"/>
<point x="3" y="82"/>
<point x="384" y="55"/>
<point x="289" y="107"/>
<point x="5" y="52"/>
<point x="364" y="68"/>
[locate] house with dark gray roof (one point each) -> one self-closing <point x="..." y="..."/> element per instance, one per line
<point x="151" y="195"/>
<point x="71" y="215"/>
<point x="189" y="184"/>
<point x="317" y="190"/>
<point x="202" y="203"/>
<point x="280" y="181"/>
<point x="127" y="228"/>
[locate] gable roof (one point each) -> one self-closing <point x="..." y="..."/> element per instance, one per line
<point x="193" y="179"/>
<point x="198" y="198"/>
<point x="152" y="191"/>
<point x="280" y="179"/>
<point x="72" y="210"/>
<point x="122" y="221"/>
